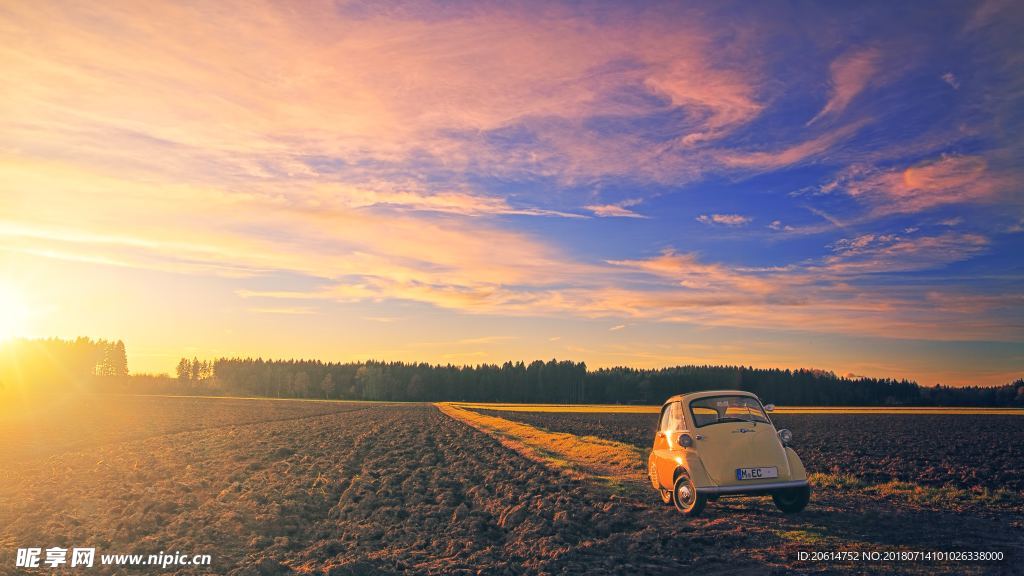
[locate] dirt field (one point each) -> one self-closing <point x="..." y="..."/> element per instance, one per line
<point x="984" y="451"/>
<point x="53" y="425"/>
<point x="332" y="488"/>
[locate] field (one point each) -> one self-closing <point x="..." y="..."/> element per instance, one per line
<point x="965" y="450"/>
<point x="279" y="487"/>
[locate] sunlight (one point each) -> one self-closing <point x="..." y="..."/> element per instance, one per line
<point x="13" y="313"/>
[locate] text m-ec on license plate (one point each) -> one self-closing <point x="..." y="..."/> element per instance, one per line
<point x="756" y="473"/>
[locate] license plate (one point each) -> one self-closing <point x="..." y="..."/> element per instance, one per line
<point x="756" y="473"/>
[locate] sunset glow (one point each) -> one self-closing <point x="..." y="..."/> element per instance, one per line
<point x="488" y="182"/>
<point x="13" y="313"/>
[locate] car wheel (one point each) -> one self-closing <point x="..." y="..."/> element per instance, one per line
<point x="685" y="496"/>
<point x="792" y="500"/>
<point x="666" y="496"/>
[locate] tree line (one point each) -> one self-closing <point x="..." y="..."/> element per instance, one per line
<point x="45" y="365"/>
<point x="563" y="381"/>
<point x="53" y="362"/>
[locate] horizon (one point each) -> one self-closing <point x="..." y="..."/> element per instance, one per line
<point x="523" y="361"/>
<point x="667" y="185"/>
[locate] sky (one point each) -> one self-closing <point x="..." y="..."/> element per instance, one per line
<point x="779" y="184"/>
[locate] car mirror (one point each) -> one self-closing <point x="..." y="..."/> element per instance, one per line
<point x="769" y="407"/>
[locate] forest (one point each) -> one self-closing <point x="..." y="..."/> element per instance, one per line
<point x="102" y="366"/>
<point x="564" y="381"/>
<point x="53" y="363"/>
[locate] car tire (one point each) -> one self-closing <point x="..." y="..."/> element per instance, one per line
<point x="666" y="496"/>
<point x="792" y="500"/>
<point x="686" y="498"/>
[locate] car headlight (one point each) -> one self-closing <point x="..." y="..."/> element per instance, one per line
<point x="685" y="441"/>
<point x="786" y="436"/>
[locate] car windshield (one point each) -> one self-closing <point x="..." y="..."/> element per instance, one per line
<point x="716" y="409"/>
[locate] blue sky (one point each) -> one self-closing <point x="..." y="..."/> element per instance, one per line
<point x="778" y="184"/>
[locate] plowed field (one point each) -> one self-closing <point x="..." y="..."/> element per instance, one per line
<point x="275" y="487"/>
<point x="986" y="451"/>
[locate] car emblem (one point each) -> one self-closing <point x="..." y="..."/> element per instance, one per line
<point x="742" y="430"/>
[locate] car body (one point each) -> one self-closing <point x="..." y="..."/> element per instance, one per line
<point x="722" y="443"/>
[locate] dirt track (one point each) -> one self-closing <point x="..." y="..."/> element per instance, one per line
<point x="380" y="489"/>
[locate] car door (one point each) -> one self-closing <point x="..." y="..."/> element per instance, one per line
<point x="666" y="443"/>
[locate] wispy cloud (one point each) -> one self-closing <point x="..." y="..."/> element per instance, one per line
<point x="942" y="181"/>
<point x="851" y="74"/>
<point x="450" y="202"/>
<point x="725" y="219"/>
<point x="620" y="209"/>
<point x="889" y="253"/>
<point x="791" y="155"/>
<point x="432" y="156"/>
<point x="363" y="94"/>
<point x="286" y="310"/>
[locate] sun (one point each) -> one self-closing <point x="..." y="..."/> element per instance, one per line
<point x="13" y="313"/>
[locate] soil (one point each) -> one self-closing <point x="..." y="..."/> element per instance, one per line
<point x="966" y="450"/>
<point x="280" y="488"/>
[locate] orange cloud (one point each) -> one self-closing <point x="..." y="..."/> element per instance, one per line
<point x="946" y="180"/>
<point x="686" y="271"/>
<point x="167" y="148"/>
<point x="620" y="210"/>
<point x="791" y="155"/>
<point x="724" y="99"/>
<point x="374" y="89"/>
<point x="851" y="74"/>
<point x="872" y="253"/>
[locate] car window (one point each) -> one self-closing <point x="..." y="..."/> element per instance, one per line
<point x="663" y="423"/>
<point x="703" y="415"/>
<point x="671" y="418"/>
<point x="676" y="417"/>
<point x="715" y="409"/>
<point x="679" y="419"/>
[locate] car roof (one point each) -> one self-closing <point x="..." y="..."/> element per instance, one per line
<point x="709" y="393"/>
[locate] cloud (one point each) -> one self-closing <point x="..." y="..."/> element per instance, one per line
<point x="207" y="231"/>
<point x="789" y="156"/>
<point x="364" y="92"/>
<point x="888" y="253"/>
<point x="851" y="74"/>
<point x="686" y="270"/>
<point x="286" y="310"/>
<point x="621" y="210"/>
<point x="680" y="287"/>
<point x="722" y="100"/>
<point x="950" y="78"/>
<point x="985" y="13"/>
<point x="946" y="180"/>
<point x="451" y="202"/>
<point x="617" y="327"/>
<point x="383" y="319"/>
<point x="724" y="219"/>
<point x="487" y="339"/>
<point x="354" y="152"/>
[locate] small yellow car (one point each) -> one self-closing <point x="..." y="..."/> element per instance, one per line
<point x="722" y="443"/>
